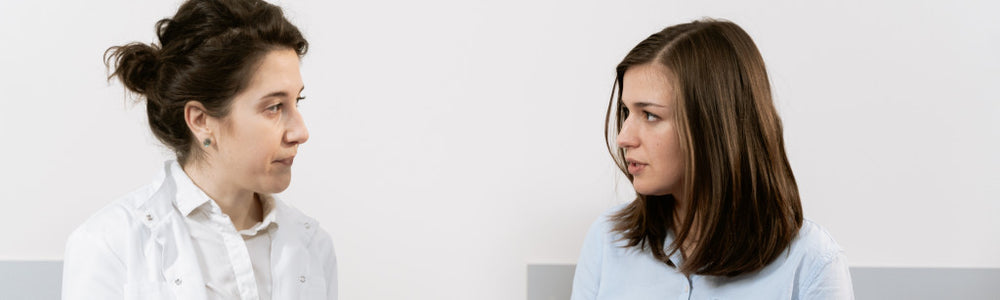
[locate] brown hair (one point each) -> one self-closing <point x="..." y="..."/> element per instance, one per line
<point x="207" y="53"/>
<point x="741" y="192"/>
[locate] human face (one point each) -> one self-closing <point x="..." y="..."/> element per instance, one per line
<point x="649" y="133"/>
<point x="260" y="136"/>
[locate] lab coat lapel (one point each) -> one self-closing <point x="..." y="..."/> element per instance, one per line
<point x="180" y="263"/>
<point x="290" y="257"/>
<point x="169" y="249"/>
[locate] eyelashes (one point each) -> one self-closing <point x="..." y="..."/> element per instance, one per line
<point x="649" y="116"/>
<point x="276" y="107"/>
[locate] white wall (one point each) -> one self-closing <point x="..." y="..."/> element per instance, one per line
<point x="454" y="142"/>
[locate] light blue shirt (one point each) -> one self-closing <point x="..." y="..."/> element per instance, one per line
<point x="813" y="267"/>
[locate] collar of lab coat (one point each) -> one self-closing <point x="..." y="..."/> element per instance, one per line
<point x="188" y="195"/>
<point x="172" y="239"/>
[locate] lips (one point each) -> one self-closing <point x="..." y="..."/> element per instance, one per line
<point x="286" y="161"/>
<point x="634" y="166"/>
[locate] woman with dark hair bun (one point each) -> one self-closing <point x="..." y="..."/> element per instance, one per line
<point x="717" y="212"/>
<point x="221" y="90"/>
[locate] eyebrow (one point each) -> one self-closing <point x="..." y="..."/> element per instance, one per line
<point x="280" y="93"/>
<point x="645" y="104"/>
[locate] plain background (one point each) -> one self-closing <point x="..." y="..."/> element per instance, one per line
<point x="455" y="142"/>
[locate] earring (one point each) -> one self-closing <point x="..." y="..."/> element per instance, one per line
<point x="207" y="142"/>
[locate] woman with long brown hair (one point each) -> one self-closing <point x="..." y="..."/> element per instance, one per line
<point x="717" y="211"/>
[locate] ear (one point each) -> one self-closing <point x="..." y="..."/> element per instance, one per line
<point x="201" y="124"/>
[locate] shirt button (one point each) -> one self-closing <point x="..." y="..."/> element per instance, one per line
<point x="177" y="281"/>
<point x="307" y="225"/>
<point x="302" y="279"/>
<point x="149" y="217"/>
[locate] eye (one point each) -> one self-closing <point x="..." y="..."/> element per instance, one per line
<point x="274" y="108"/>
<point x="625" y="112"/>
<point x="299" y="99"/>
<point x="650" y="117"/>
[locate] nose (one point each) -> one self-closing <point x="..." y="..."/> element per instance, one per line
<point x="627" y="138"/>
<point x="296" y="132"/>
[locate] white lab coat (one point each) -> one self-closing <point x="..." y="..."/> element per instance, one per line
<point x="139" y="247"/>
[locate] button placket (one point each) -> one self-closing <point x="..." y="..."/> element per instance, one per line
<point x="689" y="286"/>
<point x="239" y="256"/>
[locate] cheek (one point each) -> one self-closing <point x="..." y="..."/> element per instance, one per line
<point x="254" y="142"/>
<point x="668" y="154"/>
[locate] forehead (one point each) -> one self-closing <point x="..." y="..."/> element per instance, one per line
<point x="647" y="83"/>
<point x="278" y="71"/>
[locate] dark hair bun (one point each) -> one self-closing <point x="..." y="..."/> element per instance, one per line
<point x="135" y="65"/>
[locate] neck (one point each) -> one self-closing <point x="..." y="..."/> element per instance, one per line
<point x="241" y="205"/>
<point x="681" y="206"/>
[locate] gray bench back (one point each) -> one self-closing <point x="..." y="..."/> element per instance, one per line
<point x="552" y="282"/>
<point x="43" y="279"/>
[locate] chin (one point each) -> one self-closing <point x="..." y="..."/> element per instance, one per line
<point x="276" y="185"/>
<point x="649" y="189"/>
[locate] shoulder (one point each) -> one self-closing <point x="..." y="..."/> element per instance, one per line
<point x="602" y="231"/>
<point x="116" y="216"/>
<point x="125" y="209"/>
<point x="98" y="253"/>
<point x="110" y="227"/>
<point x="813" y="240"/>
<point x="814" y="247"/>
<point x="823" y="269"/>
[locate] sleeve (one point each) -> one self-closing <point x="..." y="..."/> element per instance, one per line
<point x="587" y="277"/>
<point x="91" y="270"/>
<point x="832" y="280"/>
<point x="329" y="264"/>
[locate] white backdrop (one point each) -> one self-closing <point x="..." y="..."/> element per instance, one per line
<point x="454" y="142"/>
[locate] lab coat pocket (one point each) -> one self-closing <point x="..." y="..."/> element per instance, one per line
<point x="148" y="290"/>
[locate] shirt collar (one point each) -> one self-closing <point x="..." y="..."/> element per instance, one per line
<point x="188" y="196"/>
<point x="676" y="257"/>
<point x="267" y="203"/>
